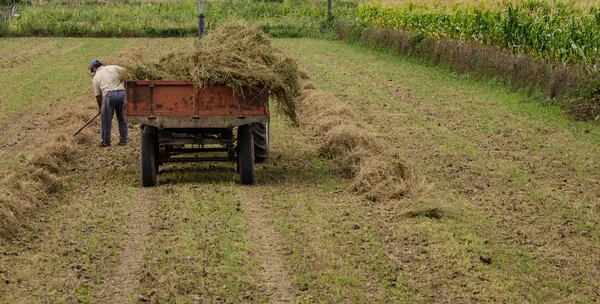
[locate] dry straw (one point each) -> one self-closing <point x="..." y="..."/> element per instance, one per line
<point x="26" y="188"/>
<point x="386" y="177"/>
<point x="344" y="138"/>
<point x="236" y="54"/>
<point x="324" y="111"/>
<point x="375" y="172"/>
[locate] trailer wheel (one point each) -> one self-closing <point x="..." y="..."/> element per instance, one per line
<point x="260" y="131"/>
<point x="149" y="157"/>
<point x="246" y="155"/>
<point x="157" y="156"/>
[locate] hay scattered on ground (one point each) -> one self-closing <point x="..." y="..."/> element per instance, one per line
<point x="237" y="55"/>
<point x="53" y="157"/>
<point x="350" y="162"/>
<point x="71" y="117"/>
<point x="308" y="86"/>
<point x="326" y="123"/>
<point x="346" y="137"/>
<point x="325" y="112"/>
<point x="25" y="186"/>
<point x="360" y="155"/>
<point x="303" y="75"/>
<point x="386" y="177"/>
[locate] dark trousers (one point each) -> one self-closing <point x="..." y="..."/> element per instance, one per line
<point x="112" y="102"/>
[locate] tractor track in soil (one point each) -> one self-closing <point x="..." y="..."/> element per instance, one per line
<point x="274" y="273"/>
<point x="120" y="287"/>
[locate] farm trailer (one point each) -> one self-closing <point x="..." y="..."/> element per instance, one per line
<point x="183" y="122"/>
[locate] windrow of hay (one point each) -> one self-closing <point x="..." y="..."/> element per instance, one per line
<point x="26" y="186"/>
<point x="344" y="138"/>
<point x="385" y="177"/>
<point x="54" y="156"/>
<point x="237" y="54"/>
<point x="377" y="173"/>
<point x="324" y="110"/>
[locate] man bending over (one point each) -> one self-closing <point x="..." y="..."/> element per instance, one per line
<point x="110" y="95"/>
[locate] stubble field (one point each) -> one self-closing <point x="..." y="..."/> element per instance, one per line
<point x="510" y="212"/>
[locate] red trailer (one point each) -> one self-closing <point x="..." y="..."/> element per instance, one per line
<point x="183" y="122"/>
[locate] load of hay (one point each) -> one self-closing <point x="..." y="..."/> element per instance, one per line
<point x="237" y="55"/>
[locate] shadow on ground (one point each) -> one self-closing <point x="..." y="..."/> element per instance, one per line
<point x="282" y="169"/>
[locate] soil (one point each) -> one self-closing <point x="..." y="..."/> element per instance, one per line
<point x="122" y="284"/>
<point x="275" y="281"/>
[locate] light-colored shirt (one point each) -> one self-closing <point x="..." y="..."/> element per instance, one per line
<point x="106" y="80"/>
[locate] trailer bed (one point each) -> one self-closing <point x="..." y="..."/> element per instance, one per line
<point x="183" y="122"/>
<point x="181" y="105"/>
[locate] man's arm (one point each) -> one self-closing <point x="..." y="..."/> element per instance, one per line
<point x="99" y="101"/>
<point x="98" y="93"/>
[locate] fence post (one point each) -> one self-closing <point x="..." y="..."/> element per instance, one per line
<point x="200" y="19"/>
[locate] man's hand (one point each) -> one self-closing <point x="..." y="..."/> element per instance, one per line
<point x="99" y="101"/>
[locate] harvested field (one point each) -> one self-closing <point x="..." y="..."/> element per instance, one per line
<point x="508" y="174"/>
<point x="403" y="183"/>
<point x="359" y="154"/>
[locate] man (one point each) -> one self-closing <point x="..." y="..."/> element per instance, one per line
<point x="110" y="95"/>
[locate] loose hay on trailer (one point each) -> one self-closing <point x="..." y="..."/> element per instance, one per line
<point x="191" y="99"/>
<point x="238" y="55"/>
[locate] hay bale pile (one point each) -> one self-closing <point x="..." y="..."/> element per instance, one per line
<point x="237" y="55"/>
<point x="375" y="172"/>
<point x="23" y="191"/>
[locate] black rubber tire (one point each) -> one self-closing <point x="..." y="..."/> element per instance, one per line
<point x="157" y="162"/>
<point x="260" y="131"/>
<point x="245" y="142"/>
<point x="148" y="156"/>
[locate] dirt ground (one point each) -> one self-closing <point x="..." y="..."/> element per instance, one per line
<point x="510" y="214"/>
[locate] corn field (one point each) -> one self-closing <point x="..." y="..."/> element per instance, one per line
<point x="555" y="32"/>
<point x="565" y="33"/>
<point x="454" y="5"/>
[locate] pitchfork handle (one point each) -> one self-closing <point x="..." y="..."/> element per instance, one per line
<point x="86" y="124"/>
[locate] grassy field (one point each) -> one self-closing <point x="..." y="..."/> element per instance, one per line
<point x="511" y="213"/>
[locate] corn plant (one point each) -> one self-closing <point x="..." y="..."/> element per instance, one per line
<point x="559" y="32"/>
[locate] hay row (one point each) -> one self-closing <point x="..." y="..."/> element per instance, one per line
<point x="27" y="187"/>
<point x="375" y="172"/>
<point x="237" y="54"/>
